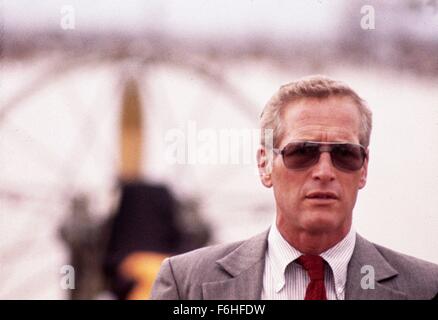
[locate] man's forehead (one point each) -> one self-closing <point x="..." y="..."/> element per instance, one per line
<point x="331" y="107"/>
<point x="330" y="119"/>
<point x="311" y="130"/>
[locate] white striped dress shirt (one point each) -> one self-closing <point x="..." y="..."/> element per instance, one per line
<point x="284" y="279"/>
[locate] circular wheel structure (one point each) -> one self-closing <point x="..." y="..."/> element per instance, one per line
<point x="59" y="146"/>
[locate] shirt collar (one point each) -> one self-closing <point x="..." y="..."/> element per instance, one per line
<point x="338" y="258"/>
<point x="281" y="254"/>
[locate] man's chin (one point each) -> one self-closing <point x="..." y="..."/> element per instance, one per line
<point x="321" y="223"/>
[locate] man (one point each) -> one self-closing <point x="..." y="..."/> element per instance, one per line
<point x="316" y="161"/>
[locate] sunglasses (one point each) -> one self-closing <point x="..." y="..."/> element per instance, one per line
<point x="304" y="154"/>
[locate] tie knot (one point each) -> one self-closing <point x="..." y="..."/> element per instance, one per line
<point x="314" y="265"/>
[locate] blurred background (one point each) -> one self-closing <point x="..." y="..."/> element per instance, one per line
<point x="93" y="94"/>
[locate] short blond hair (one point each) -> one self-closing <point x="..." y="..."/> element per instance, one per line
<point x="316" y="86"/>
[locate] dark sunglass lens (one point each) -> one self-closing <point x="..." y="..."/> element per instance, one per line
<point x="348" y="156"/>
<point x="300" y="155"/>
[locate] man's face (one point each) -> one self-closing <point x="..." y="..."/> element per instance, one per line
<point x="333" y="119"/>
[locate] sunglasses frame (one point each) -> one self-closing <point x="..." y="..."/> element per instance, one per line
<point x="323" y="147"/>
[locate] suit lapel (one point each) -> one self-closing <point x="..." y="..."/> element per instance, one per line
<point x="365" y="258"/>
<point x="245" y="266"/>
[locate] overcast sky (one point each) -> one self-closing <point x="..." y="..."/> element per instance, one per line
<point x="316" y="18"/>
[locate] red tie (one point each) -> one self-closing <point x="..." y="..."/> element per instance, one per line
<point x="314" y="265"/>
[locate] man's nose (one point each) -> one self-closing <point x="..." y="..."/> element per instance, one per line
<point x="324" y="170"/>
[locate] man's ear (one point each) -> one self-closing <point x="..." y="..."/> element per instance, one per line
<point x="364" y="172"/>
<point x="264" y="166"/>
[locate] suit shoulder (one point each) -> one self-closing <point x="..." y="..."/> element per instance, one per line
<point x="201" y="265"/>
<point x="406" y="261"/>
<point x="423" y="274"/>
<point x="203" y="257"/>
<point x="180" y="276"/>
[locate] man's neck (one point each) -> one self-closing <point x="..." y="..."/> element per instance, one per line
<point x="313" y="243"/>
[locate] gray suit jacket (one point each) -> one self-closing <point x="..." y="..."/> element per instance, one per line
<point x="235" y="271"/>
